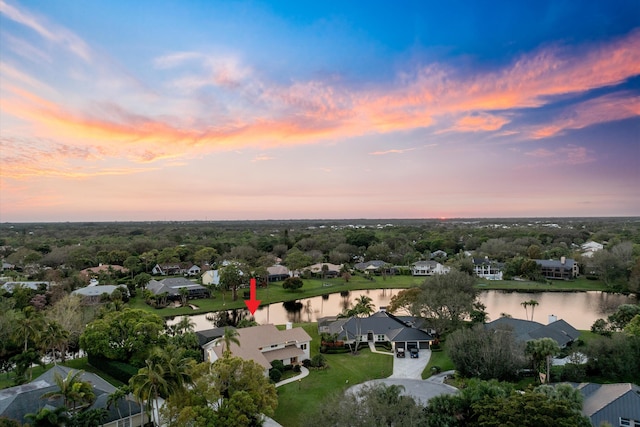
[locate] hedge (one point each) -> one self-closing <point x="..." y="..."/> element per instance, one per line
<point x="118" y="370"/>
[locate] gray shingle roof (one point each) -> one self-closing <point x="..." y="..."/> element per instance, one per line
<point x="16" y="402"/>
<point x="610" y="402"/>
<point x="380" y="323"/>
<point x="527" y="330"/>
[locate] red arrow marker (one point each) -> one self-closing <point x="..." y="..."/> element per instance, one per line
<point x="253" y="303"/>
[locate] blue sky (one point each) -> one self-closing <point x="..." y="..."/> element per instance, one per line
<point x="255" y="110"/>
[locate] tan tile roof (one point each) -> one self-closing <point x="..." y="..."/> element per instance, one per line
<point x="257" y="338"/>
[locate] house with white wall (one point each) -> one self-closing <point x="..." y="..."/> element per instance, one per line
<point x="428" y="268"/>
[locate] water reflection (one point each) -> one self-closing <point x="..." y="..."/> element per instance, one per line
<point x="580" y="309"/>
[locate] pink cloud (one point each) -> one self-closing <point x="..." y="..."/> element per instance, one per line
<point x="568" y="155"/>
<point x="392" y="151"/>
<point x="607" y="108"/>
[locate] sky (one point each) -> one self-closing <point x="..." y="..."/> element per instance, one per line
<point x="154" y="110"/>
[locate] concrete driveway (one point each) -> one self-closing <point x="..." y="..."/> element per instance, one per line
<point x="406" y="367"/>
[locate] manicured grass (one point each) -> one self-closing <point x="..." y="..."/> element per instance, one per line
<point x="304" y="397"/>
<point x="579" y="284"/>
<point x="438" y="358"/>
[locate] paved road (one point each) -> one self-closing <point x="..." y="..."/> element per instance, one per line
<point x="420" y="390"/>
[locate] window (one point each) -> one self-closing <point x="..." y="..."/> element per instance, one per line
<point x="303" y="346"/>
<point x="626" y="422"/>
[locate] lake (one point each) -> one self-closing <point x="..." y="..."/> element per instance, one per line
<point x="580" y="309"/>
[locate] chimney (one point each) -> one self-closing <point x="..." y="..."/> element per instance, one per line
<point x="383" y="309"/>
<point x="563" y="260"/>
<point x="552" y="318"/>
<point x="289" y="325"/>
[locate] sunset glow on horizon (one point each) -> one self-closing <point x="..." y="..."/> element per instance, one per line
<point x="126" y="111"/>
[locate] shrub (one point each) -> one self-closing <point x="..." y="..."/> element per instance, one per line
<point x="318" y="361"/>
<point x="306" y="363"/>
<point x="296" y="368"/>
<point x="292" y="283"/>
<point x="277" y="364"/>
<point x="275" y="375"/>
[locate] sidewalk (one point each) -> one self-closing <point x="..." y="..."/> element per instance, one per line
<point x="303" y="373"/>
<point x="373" y="349"/>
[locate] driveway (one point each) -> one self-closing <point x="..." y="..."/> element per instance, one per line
<point x="406" y="367"/>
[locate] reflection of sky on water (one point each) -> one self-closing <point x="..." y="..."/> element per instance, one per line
<point x="580" y="309"/>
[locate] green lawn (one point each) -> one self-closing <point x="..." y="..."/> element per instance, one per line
<point x="438" y="358"/>
<point x="345" y="370"/>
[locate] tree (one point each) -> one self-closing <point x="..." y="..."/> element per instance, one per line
<point x="616" y="359"/>
<point x="166" y="373"/>
<point x="205" y="256"/>
<point x="528" y="409"/>
<point x="485" y="353"/>
<point x="371" y="406"/>
<point x="231" y="278"/>
<point x="29" y="326"/>
<point x="229" y="392"/>
<point x="530" y="303"/>
<point x="125" y="335"/>
<point x="54" y="338"/>
<point x="633" y="327"/>
<point x="46" y="417"/>
<point x="446" y="300"/>
<point x="230" y="336"/>
<point x="75" y="393"/>
<point x="623" y="315"/>
<point x="541" y="350"/>
<point x="292" y="283"/>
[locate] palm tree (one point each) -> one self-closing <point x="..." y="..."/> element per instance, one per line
<point x="72" y="390"/>
<point x="186" y="324"/>
<point x="48" y="418"/>
<point x="147" y="385"/>
<point x="525" y="304"/>
<point x="167" y="372"/>
<point x="29" y="326"/>
<point x="533" y="303"/>
<point x="540" y="350"/>
<point x="230" y="336"/>
<point x="55" y="337"/>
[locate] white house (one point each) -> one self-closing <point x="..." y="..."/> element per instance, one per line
<point x="264" y="344"/>
<point x="211" y="277"/>
<point x="428" y="268"/>
<point x="485" y="269"/>
<point x="590" y="247"/>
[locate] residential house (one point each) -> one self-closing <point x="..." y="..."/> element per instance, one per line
<point x="332" y="270"/>
<point x="16" y="402"/>
<point x="438" y="254"/>
<point x="9" y="286"/>
<point x="263" y="344"/>
<point x="380" y="327"/>
<point x="211" y="277"/>
<point x="278" y="273"/>
<point x="563" y="269"/>
<point x="93" y="294"/>
<point x="527" y="330"/>
<point x="167" y="269"/>
<point x="485" y="269"/>
<point x="616" y="404"/>
<point x="194" y="270"/>
<point x="171" y="287"/>
<point x="376" y="267"/>
<point x="7" y="266"/>
<point x="428" y="268"/>
<point x="590" y="247"/>
<point x="93" y="272"/>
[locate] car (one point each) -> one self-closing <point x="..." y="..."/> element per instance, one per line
<point x="414" y="353"/>
<point x="400" y="352"/>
